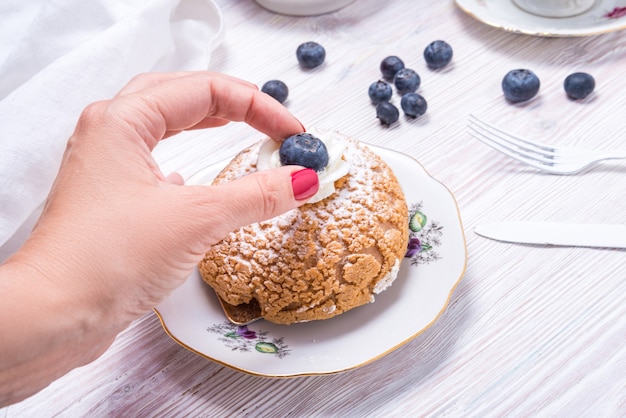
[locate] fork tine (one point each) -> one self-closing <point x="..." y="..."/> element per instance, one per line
<point x="517" y="141"/>
<point x="559" y="160"/>
<point x="546" y="153"/>
<point x="510" y="147"/>
<point x="528" y="160"/>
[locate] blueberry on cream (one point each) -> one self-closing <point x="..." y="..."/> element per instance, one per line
<point x="322" y="152"/>
<point x="304" y="149"/>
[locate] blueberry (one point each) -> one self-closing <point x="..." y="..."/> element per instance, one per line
<point x="406" y="80"/>
<point x="379" y="91"/>
<point x="387" y="113"/>
<point x="413" y="104"/>
<point x="579" y="85"/>
<point x="304" y="149"/>
<point x="438" y="54"/>
<point x="310" y="54"/>
<point x="277" y="89"/>
<point x="520" y="85"/>
<point x="390" y="66"/>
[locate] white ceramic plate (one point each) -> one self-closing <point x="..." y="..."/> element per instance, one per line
<point x="605" y="16"/>
<point x="192" y="315"/>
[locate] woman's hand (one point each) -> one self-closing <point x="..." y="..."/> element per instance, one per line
<point x="121" y="220"/>
<point x="116" y="236"/>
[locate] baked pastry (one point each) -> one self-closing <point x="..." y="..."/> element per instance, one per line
<point x="328" y="256"/>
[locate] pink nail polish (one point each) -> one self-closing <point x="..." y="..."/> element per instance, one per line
<point x="304" y="183"/>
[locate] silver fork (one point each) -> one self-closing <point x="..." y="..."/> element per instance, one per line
<point x="557" y="160"/>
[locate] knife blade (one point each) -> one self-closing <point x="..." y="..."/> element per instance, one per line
<point x="556" y="233"/>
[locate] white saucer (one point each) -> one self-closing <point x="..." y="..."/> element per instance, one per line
<point x="605" y="16"/>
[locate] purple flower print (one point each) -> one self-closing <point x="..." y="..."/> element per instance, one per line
<point x="616" y="13"/>
<point x="414" y="247"/>
<point x="244" y="332"/>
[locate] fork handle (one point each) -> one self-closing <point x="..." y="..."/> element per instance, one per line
<point x="612" y="155"/>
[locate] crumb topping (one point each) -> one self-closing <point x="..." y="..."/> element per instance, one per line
<point x="321" y="259"/>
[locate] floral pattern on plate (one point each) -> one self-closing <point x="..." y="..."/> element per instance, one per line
<point x="241" y="338"/>
<point x="616" y="13"/>
<point x="423" y="237"/>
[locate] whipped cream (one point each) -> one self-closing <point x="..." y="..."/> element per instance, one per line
<point x="337" y="167"/>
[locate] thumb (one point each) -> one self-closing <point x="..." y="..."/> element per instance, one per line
<point x="256" y="197"/>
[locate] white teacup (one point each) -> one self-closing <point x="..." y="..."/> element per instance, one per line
<point x="555" y="8"/>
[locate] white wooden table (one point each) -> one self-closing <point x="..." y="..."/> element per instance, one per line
<point x="530" y="330"/>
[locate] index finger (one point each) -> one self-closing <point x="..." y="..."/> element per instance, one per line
<point x="147" y="80"/>
<point x="192" y="101"/>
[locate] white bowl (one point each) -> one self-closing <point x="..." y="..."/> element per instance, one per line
<point x="303" y="7"/>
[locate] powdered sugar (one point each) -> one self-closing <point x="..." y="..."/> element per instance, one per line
<point x="323" y="258"/>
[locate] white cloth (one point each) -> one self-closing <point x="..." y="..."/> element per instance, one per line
<point x="57" y="56"/>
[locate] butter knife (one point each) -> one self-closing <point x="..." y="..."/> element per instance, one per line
<point x="556" y="233"/>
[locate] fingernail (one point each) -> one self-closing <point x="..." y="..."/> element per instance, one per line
<point x="304" y="183"/>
